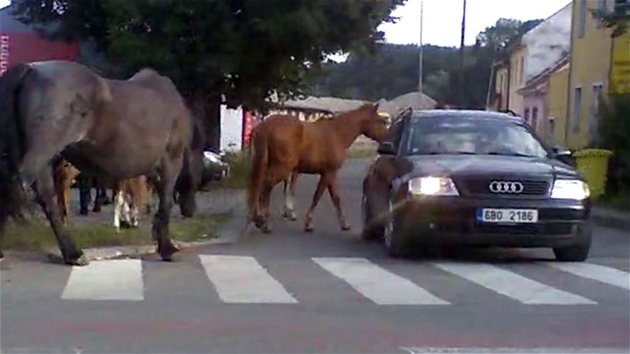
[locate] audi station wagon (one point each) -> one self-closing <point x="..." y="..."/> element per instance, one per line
<point x="474" y="178"/>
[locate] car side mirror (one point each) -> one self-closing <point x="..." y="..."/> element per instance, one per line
<point x="386" y="148"/>
<point x="562" y="154"/>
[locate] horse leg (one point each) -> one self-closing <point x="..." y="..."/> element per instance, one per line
<point x="85" y="194"/>
<point x="46" y="198"/>
<point x="289" y="197"/>
<point x="119" y="201"/>
<point x="333" y="190"/>
<point x="165" y="186"/>
<point x="321" y="186"/>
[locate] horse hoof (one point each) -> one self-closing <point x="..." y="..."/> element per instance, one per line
<point x="309" y="229"/>
<point x="167" y="252"/>
<point x="346" y="228"/>
<point x="266" y="230"/>
<point x="81" y="261"/>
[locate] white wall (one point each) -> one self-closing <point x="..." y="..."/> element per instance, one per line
<point x="231" y="129"/>
<point x="547" y="43"/>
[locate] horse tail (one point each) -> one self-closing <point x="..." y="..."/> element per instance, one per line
<point x="12" y="200"/>
<point x="258" y="174"/>
<point x="189" y="179"/>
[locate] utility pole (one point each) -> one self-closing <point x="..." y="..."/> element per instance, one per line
<point x="420" y="56"/>
<point x="461" y="59"/>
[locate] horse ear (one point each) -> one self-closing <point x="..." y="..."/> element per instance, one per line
<point x="375" y="106"/>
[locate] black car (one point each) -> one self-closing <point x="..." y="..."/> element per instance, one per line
<point x="474" y="178"/>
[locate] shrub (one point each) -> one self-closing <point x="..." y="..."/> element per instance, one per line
<point x="614" y="135"/>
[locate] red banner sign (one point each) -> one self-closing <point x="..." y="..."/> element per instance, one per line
<point x="4" y="53"/>
<point x="248" y="122"/>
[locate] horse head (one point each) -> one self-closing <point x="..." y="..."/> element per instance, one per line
<point x="373" y="124"/>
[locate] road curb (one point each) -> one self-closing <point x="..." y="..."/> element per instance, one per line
<point x="234" y="203"/>
<point x="228" y="233"/>
<point x="612" y="221"/>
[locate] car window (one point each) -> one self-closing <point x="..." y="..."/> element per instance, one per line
<point x="397" y="133"/>
<point x="452" y="135"/>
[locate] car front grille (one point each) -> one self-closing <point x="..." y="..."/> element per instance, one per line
<point x="480" y="186"/>
<point x="544" y="229"/>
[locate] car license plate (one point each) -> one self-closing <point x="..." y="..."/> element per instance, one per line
<point x="509" y="216"/>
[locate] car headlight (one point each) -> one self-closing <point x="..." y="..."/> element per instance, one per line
<point x="570" y="189"/>
<point x="432" y="186"/>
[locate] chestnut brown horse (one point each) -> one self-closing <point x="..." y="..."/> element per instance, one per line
<point x="63" y="175"/>
<point x="131" y="195"/>
<point x="283" y="147"/>
<point x="115" y="128"/>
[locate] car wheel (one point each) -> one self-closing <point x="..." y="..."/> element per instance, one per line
<point x="370" y="232"/>
<point x="394" y="241"/>
<point x="577" y="253"/>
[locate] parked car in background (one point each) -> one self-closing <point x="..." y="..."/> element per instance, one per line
<point x="214" y="167"/>
<point x="474" y="178"/>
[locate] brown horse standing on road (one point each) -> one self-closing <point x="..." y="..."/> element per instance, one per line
<point x="63" y="177"/>
<point x="114" y="128"/>
<point x="283" y="147"/>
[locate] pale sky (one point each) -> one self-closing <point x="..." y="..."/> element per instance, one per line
<point x="442" y="18"/>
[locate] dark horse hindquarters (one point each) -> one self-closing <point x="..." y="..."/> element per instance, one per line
<point x="11" y="149"/>
<point x="94" y="123"/>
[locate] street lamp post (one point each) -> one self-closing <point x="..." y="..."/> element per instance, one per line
<point x="421" y="59"/>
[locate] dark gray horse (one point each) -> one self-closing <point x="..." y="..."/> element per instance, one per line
<point x="114" y="128"/>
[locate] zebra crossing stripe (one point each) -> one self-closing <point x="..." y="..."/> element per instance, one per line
<point x="376" y="283"/>
<point x="606" y="275"/>
<point x="512" y="285"/>
<point x="241" y="279"/>
<point x="106" y="280"/>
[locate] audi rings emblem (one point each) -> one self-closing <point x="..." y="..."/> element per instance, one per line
<point x="506" y="187"/>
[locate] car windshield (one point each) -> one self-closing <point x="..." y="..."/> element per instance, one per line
<point x="453" y="135"/>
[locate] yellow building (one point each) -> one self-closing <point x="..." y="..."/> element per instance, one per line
<point x="517" y="77"/>
<point x="509" y="77"/>
<point x="557" y="104"/>
<point x="500" y="98"/>
<point x="594" y="66"/>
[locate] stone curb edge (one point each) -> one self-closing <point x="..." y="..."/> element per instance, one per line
<point x="615" y="222"/>
<point x="229" y="233"/>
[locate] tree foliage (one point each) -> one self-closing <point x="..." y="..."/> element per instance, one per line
<point x="614" y="125"/>
<point x="618" y="19"/>
<point x="393" y="69"/>
<point x="246" y="50"/>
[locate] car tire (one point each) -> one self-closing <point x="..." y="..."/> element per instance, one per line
<point x="572" y="254"/>
<point x="394" y="241"/>
<point x="578" y="252"/>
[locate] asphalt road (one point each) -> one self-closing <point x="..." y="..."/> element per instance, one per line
<point x="296" y="292"/>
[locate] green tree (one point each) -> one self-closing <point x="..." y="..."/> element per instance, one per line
<point x="246" y="50"/>
<point x="618" y="19"/>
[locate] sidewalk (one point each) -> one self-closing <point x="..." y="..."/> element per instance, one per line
<point x="607" y="217"/>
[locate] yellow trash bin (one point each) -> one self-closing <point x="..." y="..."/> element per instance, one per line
<point x="593" y="163"/>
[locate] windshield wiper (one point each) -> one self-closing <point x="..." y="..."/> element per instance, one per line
<point x="508" y="154"/>
<point x="444" y="153"/>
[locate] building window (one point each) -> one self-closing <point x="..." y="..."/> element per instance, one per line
<point x="521" y="71"/>
<point x="535" y="118"/>
<point x="552" y="128"/>
<point x="581" y="18"/>
<point x="594" y="116"/>
<point x="526" y="115"/>
<point x="575" y="111"/>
